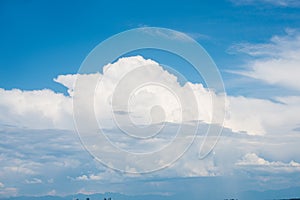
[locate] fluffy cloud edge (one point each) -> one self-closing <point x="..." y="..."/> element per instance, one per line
<point x="253" y="162"/>
<point x="46" y="109"/>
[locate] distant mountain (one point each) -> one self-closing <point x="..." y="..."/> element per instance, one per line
<point x="289" y="193"/>
<point x="283" y="194"/>
<point x="113" y="196"/>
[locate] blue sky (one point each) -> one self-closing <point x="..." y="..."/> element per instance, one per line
<point x="40" y="40"/>
<point x="254" y="43"/>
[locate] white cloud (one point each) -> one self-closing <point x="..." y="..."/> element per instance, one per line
<point x="242" y="113"/>
<point x="51" y="155"/>
<point x="18" y="167"/>
<point x="276" y="62"/>
<point x="38" y="109"/>
<point x="21" y="170"/>
<point x="45" y="109"/>
<point x="31" y="156"/>
<point x="85" y="191"/>
<point x="1" y="185"/>
<point x="123" y="74"/>
<point x="57" y="154"/>
<point x="260" y="116"/>
<point x="251" y="160"/>
<point x="8" y="191"/>
<point x="172" y="35"/>
<point x="52" y="193"/>
<point x="33" y="181"/>
<point x="106" y="175"/>
<point x="82" y="178"/>
<point x="68" y="81"/>
<point x="281" y="3"/>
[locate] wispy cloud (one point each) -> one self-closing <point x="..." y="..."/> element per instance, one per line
<point x="172" y="35"/>
<point x="8" y="191"/>
<point x="33" y="181"/>
<point x="275" y="62"/>
<point x="280" y="3"/>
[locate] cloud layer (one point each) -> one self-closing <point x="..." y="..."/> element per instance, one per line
<point x="29" y="151"/>
<point x="166" y="101"/>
